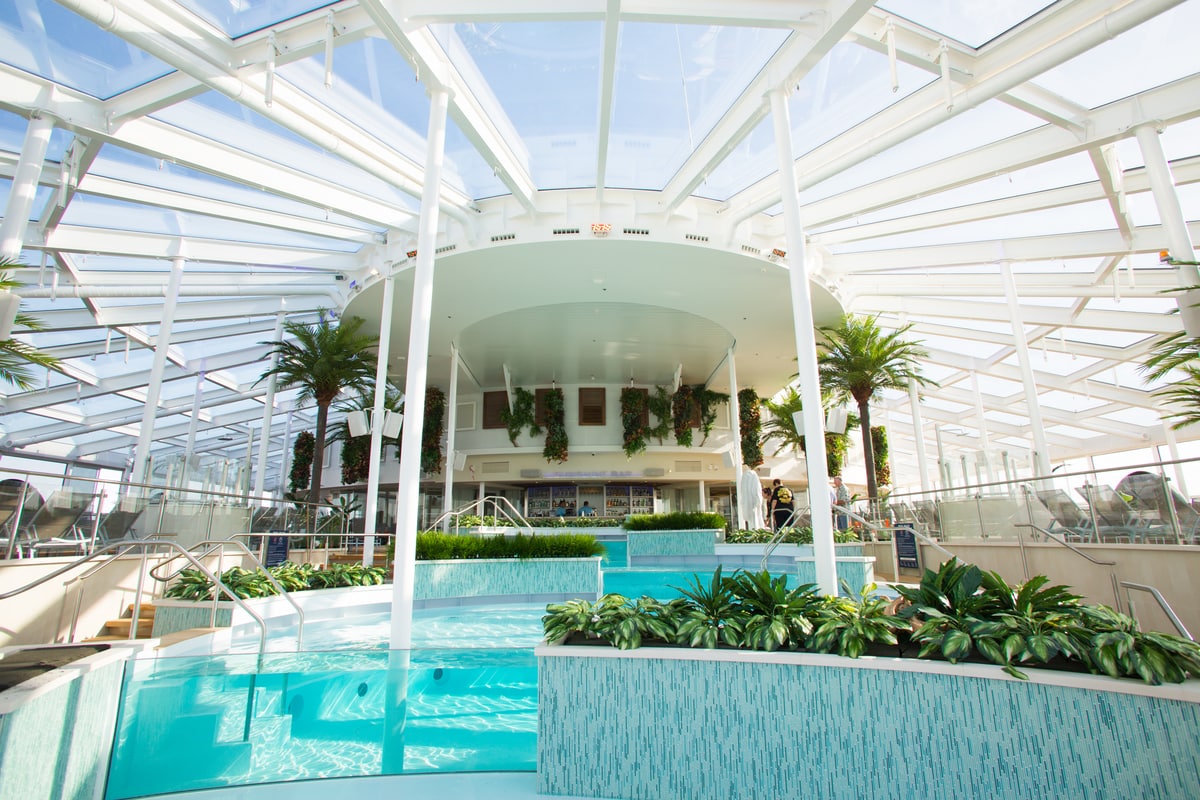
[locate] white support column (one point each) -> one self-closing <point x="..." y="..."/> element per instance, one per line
<point x="943" y="467"/>
<point x="703" y="496"/>
<point x="370" y="508"/>
<point x="408" y="490"/>
<point x="1173" y="450"/>
<point x="162" y="343"/>
<point x="914" y="402"/>
<point x="194" y="421"/>
<point x="243" y="486"/>
<point x="981" y="424"/>
<point x="806" y="352"/>
<point x="1162" y="185"/>
<point x="286" y="462"/>
<point x="264" y="444"/>
<point x="1041" y="449"/>
<point x="451" y="426"/>
<point x="735" y="411"/>
<point x="24" y="185"/>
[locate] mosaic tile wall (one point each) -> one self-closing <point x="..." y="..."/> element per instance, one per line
<point x="55" y="743"/>
<point x="648" y="729"/>
<point x="671" y="543"/>
<point x="169" y="619"/>
<point x="485" y="577"/>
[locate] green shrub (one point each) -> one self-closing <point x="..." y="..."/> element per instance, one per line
<point x="675" y="521"/>
<point x="434" y="545"/>
<point x="195" y="585"/>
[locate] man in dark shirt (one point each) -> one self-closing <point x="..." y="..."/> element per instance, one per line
<point x="781" y="504"/>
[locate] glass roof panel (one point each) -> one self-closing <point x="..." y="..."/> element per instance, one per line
<point x="236" y="18"/>
<point x="541" y="90"/>
<point x="40" y="197"/>
<point x="1069" y="401"/>
<point x="1163" y="49"/>
<point x="215" y="116"/>
<point x="850" y="85"/>
<point x="989" y="122"/>
<point x="673" y="83"/>
<point x="45" y="39"/>
<point x="973" y="22"/>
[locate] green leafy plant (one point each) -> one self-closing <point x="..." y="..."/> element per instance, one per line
<point x="16" y="357"/>
<point x="707" y="400"/>
<point x="1118" y="649"/>
<point x="634" y="410"/>
<point x="777" y="617"/>
<point x="432" y="429"/>
<point x="750" y="427"/>
<point x="434" y="545"/>
<point x="684" y="409"/>
<point x="713" y="617"/>
<point x="675" y="521"/>
<point x="660" y="404"/>
<point x="847" y="626"/>
<point x="302" y="458"/>
<point x="556" y="427"/>
<point x="522" y="416"/>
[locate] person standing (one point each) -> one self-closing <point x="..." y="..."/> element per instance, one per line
<point x="781" y="504"/>
<point x="841" y="498"/>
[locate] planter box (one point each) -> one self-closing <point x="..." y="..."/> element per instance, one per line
<point x="646" y="546"/>
<point x="713" y="725"/>
<point x="171" y="615"/>
<point x="531" y="580"/>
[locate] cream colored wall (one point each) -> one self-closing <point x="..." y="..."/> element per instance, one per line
<point x="1173" y="570"/>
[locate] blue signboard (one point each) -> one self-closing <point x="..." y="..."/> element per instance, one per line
<point x="277" y="550"/>
<point x="906" y="546"/>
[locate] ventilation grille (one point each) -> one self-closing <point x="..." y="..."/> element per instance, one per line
<point x="504" y="237"/>
<point x="531" y="473"/>
<point x="754" y="251"/>
<point x="446" y="248"/>
<point x="636" y="231"/>
<point x="654" y="472"/>
<point x="695" y="237"/>
<point x="566" y="231"/>
<point x="495" y="467"/>
<point x="687" y="466"/>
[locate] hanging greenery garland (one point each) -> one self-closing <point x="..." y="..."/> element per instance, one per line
<point x="356" y="459"/>
<point x="660" y="406"/>
<point x="684" y="408"/>
<point x="750" y="427"/>
<point x="302" y="458"/>
<point x="556" y="427"/>
<point x="521" y="416"/>
<point x="634" y="408"/>
<point x="708" y="401"/>
<point x="879" y="447"/>
<point x="835" y="452"/>
<point x="431" y="433"/>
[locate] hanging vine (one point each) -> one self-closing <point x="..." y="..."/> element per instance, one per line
<point x="431" y="432"/>
<point x="634" y="409"/>
<point x="879" y="447"/>
<point x="302" y="458"/>
<point x="521" y="416"/>
<point x="750" y="427"/>
<point x="835" y="452"/>
<point x="556" y="427"/>
<point x="660" y="406"/>
<point x="356" y="459"/>
<point x="684" y="408"/>
<point x="708" y="401"/>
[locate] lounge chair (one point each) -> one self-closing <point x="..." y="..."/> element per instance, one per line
<point x="926" y="512"/>
<point x="56" y="528"/>
<point x="1070" y="521"/>
<point x="1116" y="520"/>
<point x="1150" y="492"/>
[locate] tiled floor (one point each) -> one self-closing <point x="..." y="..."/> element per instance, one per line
<point x="473" y="786"/>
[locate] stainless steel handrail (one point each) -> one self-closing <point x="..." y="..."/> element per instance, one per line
<point x="481" y="505"/>
<point x="1054" y="537"/>
<point x="1163" y="604"/>
<point x="777" y="537"/>
<point x="125" y="547"/>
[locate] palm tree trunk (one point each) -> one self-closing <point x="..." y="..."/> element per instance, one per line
<point x="864" y="422"/>
<point x="314" y="490"/>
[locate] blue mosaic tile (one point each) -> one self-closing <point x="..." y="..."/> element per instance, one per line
<point x="484" y="577"/>
<point x="671" y="543"/>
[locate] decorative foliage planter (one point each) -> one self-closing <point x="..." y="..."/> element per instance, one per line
<point x="534" y="579"/>
<point x="798" y="725"/>
<point x="671" y="543"/>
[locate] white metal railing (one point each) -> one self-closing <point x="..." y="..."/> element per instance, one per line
<point x="501" y="507"/>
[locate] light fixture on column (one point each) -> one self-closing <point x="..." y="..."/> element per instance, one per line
<point x="835" y="419"/>
<point x="391" y="424"/>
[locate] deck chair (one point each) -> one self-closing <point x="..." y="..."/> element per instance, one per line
<point x="926" y="512"/>
<point x="57" y="527"/>
<point x="11" y="491"/>
<point x="1151" y="491"/>
<point x="1116" y="520"/>
<point x="1070" y="521"/>
<point x="118" y="524"/>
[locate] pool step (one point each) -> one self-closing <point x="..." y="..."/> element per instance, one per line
<point x="116" y="629"/>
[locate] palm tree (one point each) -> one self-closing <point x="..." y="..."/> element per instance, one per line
<point x="17" y="357"/>
<point x="322" y="360"/>
<point x="857" y="359"/>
